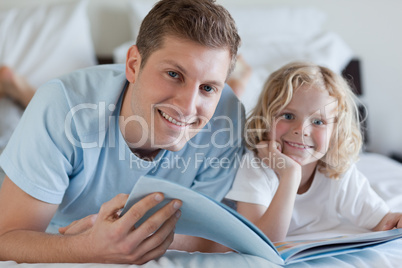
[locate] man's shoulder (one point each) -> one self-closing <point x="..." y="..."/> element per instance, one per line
<point x="83" y="96"/>
<point x="229" y="104"/>
<point x="98" y="83"/>
<point x="229" y="112"/>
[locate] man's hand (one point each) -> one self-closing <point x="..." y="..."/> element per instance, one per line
<point x="115" y="239"/>
<point x="79" y="226"/>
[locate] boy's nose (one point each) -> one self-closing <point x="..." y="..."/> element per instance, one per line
<point x="297" y="132"/>
<point x="300" y="129"/>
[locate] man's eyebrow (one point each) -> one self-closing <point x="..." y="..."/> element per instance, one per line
<point x="176" y="65"/>
<point x="184" y="72"/>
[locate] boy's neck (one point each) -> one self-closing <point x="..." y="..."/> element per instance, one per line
<point x="308" y="172"/>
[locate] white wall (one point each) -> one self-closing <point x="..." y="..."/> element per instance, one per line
<point x="371" y="28"/>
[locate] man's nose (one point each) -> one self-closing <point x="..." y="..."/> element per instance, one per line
<point x="187" y="99"/>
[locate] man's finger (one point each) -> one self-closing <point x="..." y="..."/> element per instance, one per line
<point x="138" y="210"/>
<point x="164" y="219"/>
<point x="156" y="244"/>
<point x="79" y="226"/>
<point x="111" y="207"/>
<point x="159" y="250"/>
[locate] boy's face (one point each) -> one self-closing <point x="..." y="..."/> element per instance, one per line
<point x="173" y="96"/>
<point x="305" y="126"/>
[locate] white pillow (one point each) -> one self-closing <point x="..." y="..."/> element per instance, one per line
<point x="46" y="41"/>
<point x="40" y="43"/>
<point x="138" y="10"/>
<point x="278" y="22"/>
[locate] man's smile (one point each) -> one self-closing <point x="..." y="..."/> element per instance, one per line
<point x="173" y="120"/>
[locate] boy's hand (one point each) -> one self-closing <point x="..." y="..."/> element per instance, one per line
<point x="271" y="153"/>
<point x="390" y="221"/>
<point x="115" y="239"/>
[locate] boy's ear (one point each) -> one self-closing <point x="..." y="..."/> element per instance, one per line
<point x="133" y="63"/>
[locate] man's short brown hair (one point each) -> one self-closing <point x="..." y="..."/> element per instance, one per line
<point x="201" y="21"/>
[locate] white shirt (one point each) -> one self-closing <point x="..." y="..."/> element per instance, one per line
<point x="327" y="204"/>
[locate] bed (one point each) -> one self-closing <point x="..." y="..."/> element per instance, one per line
<point x="264" y="48"/>
<point x="384" y="174"/>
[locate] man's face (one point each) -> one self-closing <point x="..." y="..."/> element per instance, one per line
<point x="173" y="96"/>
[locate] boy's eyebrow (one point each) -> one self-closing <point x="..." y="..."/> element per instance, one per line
<point x="319" y="112"/>
<point x="183" y="71"/>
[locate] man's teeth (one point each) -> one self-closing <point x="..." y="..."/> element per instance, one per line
<point x="299" y="145"/>
<point x="172" y="120"/>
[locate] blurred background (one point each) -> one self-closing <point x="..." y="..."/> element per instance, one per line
<point x="368" y="28"/>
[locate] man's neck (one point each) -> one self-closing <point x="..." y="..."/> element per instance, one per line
<point x="147" y="155"/>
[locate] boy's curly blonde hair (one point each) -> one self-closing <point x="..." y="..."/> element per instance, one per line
<point x="346" y="139"/>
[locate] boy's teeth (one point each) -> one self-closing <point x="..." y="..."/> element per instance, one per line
<point x="172" y="120"/>
<point x="298" y="145"/>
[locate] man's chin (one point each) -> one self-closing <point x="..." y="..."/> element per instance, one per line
<point x="174" y="147"/>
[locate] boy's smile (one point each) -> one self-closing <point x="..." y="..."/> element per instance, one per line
<point x="173" y="96"/>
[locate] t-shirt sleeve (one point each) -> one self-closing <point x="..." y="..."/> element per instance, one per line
<point x="253" y="183"/>
<point x="358" y="202"/>
<point x="38" y="156"/>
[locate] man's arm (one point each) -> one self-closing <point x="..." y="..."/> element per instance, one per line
<point x="110" y="239"/>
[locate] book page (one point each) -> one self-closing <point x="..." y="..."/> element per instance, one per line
<point x="204" y="217"/>
<point x="309" y="249"/>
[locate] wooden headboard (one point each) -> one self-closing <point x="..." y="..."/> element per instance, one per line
<point x="353" y="75"/>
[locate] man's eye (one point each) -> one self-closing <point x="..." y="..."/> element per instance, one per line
<point x="173" y="74"/>
<point x="318" y="122"/>
<point x="288" y="116"/>
<point x="207" y="88"/>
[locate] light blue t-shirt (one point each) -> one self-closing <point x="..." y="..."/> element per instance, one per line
<point x="68" y="148"/>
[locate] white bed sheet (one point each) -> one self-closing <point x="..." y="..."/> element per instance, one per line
<point x="386" y="255"/>
<point x="384" y="174"/>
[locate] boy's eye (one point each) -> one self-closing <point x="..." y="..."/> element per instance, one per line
<point x="288" y="116"/>
<point x="207" y="88"/>
<point x="173" y="74"/>
<point x="318" y="122"/>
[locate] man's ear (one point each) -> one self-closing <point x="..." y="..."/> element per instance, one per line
<point x="133" y="63"/>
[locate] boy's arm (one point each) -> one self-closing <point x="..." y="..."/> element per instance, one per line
<point x="390" y="221"/>
<point x="111" y="239"/>
<point x="275" y="220"/>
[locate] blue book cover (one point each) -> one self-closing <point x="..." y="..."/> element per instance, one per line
<point x="204" y="217"/>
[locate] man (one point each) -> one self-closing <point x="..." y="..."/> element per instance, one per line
<point x="87" y="137"/>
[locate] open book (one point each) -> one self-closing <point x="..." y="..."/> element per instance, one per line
<point x="204" y="217"/>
